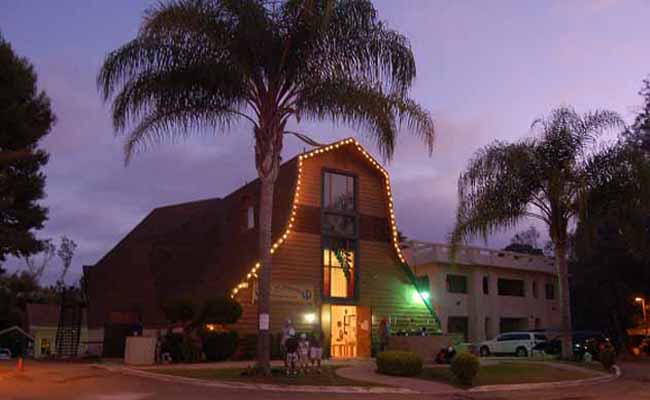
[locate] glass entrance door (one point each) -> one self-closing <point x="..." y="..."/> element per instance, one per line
<point x="344" y="332"/>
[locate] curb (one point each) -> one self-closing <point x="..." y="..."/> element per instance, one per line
<point x="548" y="385"/>
<point x="259" y="386"/>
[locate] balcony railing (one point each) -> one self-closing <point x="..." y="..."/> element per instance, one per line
<point x="419" y="253"/>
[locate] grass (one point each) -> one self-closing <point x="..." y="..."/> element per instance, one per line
<point x="509" y="373"/>
<point x="595" y="365"/>
<point x="327" y="377"/>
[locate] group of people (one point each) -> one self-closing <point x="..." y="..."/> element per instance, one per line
<point x="303" y="353"/>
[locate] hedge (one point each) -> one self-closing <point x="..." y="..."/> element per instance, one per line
<point x="399" y="363"/>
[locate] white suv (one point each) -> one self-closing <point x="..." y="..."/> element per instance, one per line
<point x="518" y="343"/>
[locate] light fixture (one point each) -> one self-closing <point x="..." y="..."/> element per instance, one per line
<point x="419" y="297"/>
<point x="638" y="300"/>
<point x="310" y="318"/>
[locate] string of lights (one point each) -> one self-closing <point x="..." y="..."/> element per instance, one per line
<point x="296" y="198"/>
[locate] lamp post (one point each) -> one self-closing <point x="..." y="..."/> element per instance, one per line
<point x="645" y="315"/>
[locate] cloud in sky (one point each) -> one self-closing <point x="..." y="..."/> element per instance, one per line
<point x="486" y="70"/>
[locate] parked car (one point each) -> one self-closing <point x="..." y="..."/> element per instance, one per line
<point x="5" y="354"/>
<point x="583" y="341"/>
<point x="520" y="344"/>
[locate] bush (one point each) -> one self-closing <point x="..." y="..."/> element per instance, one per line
<point x="465" y="366"/>
<point x="191" y="350"/>
<point x="219" y="346"/>
<point x="173" y="344"/>
<point x="607" y="357"/>
<point x="399" y="363"/>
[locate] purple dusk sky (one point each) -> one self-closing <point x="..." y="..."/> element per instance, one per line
<point x="486" y="70"/>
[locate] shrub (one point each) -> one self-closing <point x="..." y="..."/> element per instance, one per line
<point x="400" y="363"/>
<point x="191" y="350"/>
<point x="465" y="366"/>
<point x="607" y="357"/>
<point x="219" y="346"/>
<point x="173" y="344"/>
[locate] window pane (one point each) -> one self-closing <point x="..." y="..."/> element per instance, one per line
<point x="456" y="284"/>
<point x="339" y="283"/>
<point x="338" y="192"/>
<point x="486" y="285"/>
<point x="339" y="225"/>
<point x="336" y="282"/>
<point x="511" y="287"/>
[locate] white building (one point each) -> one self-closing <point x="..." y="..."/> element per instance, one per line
<point x="485" y="292"/>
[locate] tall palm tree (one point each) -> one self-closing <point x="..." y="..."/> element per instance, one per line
<point x="546" y="177"/>
<point x="205" y="64"/>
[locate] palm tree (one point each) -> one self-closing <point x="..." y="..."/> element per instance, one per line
<point x="206" y="64"/>
<point x="546" y="178"/>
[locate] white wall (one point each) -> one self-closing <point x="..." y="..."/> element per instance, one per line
<point x="477" y="306"/>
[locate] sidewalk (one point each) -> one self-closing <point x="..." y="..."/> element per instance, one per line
<point x="229" y="364"/>
<point x="365" y="372"/>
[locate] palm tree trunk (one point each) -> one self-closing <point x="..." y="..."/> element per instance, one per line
<point x="264" y="297"/>
<point x="268" y="146"/>
<point x="562" y="269"/>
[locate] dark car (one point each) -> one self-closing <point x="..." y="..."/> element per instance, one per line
<point x="592" y="342"/>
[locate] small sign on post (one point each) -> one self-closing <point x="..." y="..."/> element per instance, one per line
<point x="264" y="322"/>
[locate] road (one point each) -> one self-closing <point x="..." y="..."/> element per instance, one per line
<point x="63" y="381"/>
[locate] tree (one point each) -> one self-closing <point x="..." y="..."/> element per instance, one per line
<point x="639" y="132"/>
<point x="546" y="178"/>
<point x="66" y="251"/>
<point x="36" y="267"/>
<point x="614" y="231"/>
<point x="201" y="64"/>
<point x="525" y="242"/>
<point x="25" y="118"/>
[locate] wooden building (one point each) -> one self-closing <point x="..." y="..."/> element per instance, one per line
<point x="337" y="264"/>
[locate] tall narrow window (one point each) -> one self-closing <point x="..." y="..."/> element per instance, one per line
<point x="250" y="217"/>
<point x="535" y="289"/>
<point x="550" y="291"/>
<point x="486" y="285"/>
<point x="339" y="230"/>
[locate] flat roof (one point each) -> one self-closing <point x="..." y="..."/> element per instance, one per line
<point x="421" y="253"/>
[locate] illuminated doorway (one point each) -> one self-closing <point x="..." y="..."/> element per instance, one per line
<point x="350" y="331"/>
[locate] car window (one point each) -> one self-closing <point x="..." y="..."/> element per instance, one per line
<point x="521" y="336"/>
<point x="504" y="338"/>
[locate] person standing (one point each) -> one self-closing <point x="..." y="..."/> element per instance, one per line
<point x="384" y="334"/>
<point x="316" y="350"/>
<point x="287" y="332"/>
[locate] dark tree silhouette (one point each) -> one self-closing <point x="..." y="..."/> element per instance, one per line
<point x="25" y="118"/>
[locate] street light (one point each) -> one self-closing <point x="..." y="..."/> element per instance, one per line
<point x="645" y="315"/>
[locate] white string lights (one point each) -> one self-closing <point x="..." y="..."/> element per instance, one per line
<point x="296" y="196"/>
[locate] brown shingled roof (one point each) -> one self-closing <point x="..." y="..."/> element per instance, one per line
<point x="196" y="249"/>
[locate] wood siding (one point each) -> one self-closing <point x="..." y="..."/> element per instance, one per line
<point x="383" y="285"/>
